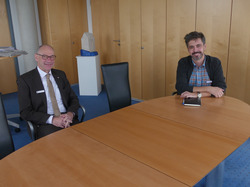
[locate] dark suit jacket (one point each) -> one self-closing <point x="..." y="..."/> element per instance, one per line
<point x="32" y="99"/>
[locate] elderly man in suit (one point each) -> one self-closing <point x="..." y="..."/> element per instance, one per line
<point x="45" y="95"/>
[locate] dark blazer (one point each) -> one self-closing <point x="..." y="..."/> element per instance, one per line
<point x="32" y="98"/>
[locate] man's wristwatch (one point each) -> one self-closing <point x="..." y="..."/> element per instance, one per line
<point x="199" y="94"/>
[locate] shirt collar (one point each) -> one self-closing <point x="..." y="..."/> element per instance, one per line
<point x="42" y="73"/>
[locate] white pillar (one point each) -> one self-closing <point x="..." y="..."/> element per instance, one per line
<point x="89" y="16"/>
<point x="27" y="36"/>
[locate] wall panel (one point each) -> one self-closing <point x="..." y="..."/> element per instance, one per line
<point x="130" y="42"/>
<point x="105" y="18"/>
<point x="238" y="76"/>
<point x="62" y="25"/>
<point x="60" y="35"/>
<point x="161" y="26"/>
<point x="213" y="19"/>
<point x="180" y="21"/>
<point x="78" y="25"/>
<point x="54" y="20"/>
<point x="153" y="16"/>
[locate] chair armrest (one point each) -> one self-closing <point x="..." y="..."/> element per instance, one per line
<point x="13" y="124"/>
<point x="83" y="112"/>
<point x="31" y="130"/>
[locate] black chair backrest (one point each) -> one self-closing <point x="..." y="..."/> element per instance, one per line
<point x="6" y="142"/>
<point x="116" y="81"/>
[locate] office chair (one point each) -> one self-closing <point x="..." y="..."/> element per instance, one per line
<point x="11" y="123"/>
<point x="32" y="129"/>
<point x="116" y="82"/>
<point x="6" y="141"/>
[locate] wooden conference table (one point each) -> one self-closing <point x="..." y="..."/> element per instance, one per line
<point x="158" y="142"/>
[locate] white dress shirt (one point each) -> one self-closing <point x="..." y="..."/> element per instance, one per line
<point x="57" y="94"/>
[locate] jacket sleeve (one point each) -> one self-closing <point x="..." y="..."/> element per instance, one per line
<point x="218" y="78"/>
<point x="28" y="103"/>
<point x="183" y="76"/>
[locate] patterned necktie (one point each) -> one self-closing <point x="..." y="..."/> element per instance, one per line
<point x="53" y="97"/>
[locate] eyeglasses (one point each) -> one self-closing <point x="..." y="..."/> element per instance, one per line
<point x="45" y="57"/>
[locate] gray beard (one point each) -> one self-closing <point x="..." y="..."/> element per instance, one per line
<point x="198" y="58"/>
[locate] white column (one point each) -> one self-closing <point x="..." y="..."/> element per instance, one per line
<point x="89" y="16"/>
<point x="25" y="26"/>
